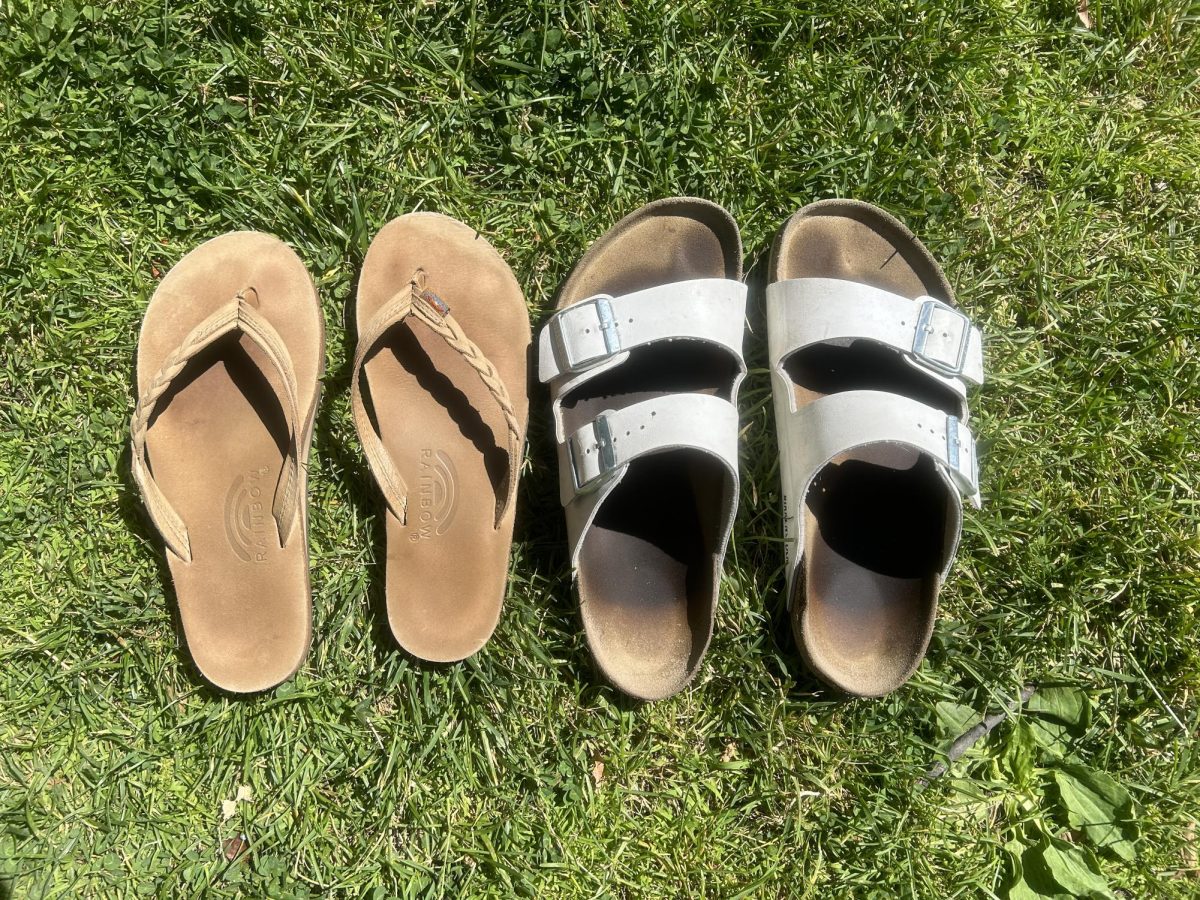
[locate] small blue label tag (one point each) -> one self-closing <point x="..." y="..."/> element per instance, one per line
<point x="436" y="302"/>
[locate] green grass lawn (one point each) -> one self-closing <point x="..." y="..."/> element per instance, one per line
<point x="1053" y="167"/>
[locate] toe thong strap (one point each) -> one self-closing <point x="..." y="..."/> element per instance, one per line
<point x="238" y="316"/>
<point x="429" y="309"/>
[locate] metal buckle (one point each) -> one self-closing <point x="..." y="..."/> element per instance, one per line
<point x="958" y="438"/>
<point x="601" y="304"/>
<point x="925" y="327"/>
<point x="606" y="455"/>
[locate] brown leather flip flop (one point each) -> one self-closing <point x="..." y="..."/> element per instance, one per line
<point x="443" y="341"/>
<point x="230" y="356"/>
<point x="871" y="361"/>
<point x="644" y="359"/>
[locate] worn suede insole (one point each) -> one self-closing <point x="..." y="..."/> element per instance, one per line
<point x="875" y="517"/>
<point x="217" y="448"/>
<point x="647" y="568"/>
<point x="447" y="567"/>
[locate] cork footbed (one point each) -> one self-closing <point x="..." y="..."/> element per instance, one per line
<point x="648" y="569"/>
<point x="865" y="600"/>
<point x="217" y="446"/>
<point x="447" y="568"/>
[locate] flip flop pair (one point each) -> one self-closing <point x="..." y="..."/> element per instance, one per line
<point x="870" y="363"/>
<point x="230" y="358"/>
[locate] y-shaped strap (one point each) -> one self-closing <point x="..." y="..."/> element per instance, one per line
<point x="238" y="315"/>
<point x="426" y="307"/>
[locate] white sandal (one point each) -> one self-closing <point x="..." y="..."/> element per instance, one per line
<point x="870" y="363"/>
<point x="644" y="359"/>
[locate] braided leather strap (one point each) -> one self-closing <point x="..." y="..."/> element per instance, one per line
<point x="428" y="308"/>
<point x="236" y="316"/>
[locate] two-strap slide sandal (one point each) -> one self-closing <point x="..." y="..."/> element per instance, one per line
<point x="870" y="362"/>
<point x="443" y="343"/>
<point x="229" y="360"/>
<point x="643" y="358"/>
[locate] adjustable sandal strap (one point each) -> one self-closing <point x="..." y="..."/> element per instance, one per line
<point x="837" y="423"/>
<point x="815" y="435"/>
<point x="931" y="335"/>
<point x="428" y="308"/>
<point x="593" y="459"/>
<point x="598" y="333"/>
<point x="237" y="316"/>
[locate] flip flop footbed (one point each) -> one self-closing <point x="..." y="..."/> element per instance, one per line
<point x="443" y="428"/>
<point x="217" y="445"/>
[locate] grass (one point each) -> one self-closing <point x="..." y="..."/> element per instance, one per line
<point x="1054" y="168"/>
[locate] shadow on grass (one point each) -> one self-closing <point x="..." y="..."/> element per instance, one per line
<point x="349" y="471"/>
<point x="761" y="456"/>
